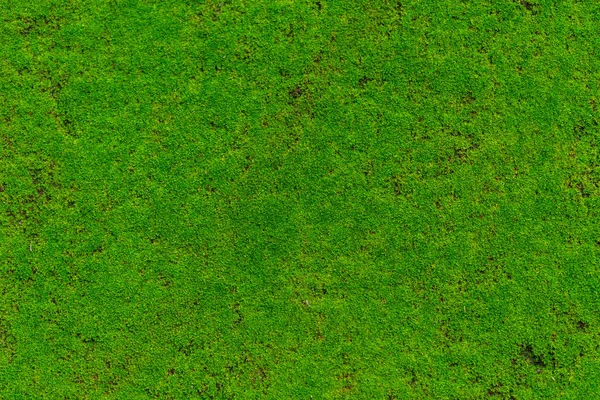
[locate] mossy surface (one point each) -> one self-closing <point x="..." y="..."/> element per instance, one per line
<point x="327" y="199"/>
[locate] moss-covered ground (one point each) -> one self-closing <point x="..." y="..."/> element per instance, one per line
<point x="294" y="199"/>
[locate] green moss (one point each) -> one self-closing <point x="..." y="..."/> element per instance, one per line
<point x="299" y="199"/>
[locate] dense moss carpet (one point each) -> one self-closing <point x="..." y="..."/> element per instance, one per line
<point x="293" y="199"/>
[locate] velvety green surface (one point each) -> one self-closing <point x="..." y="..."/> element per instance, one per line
<point x="358" y="199"/>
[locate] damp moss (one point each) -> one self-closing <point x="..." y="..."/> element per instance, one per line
<point x="299" y="199"/>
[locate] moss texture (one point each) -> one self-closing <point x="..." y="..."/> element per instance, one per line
<point x="292" y="199"/>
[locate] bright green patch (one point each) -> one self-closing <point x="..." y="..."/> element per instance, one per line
<point x="320" y="199"/>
